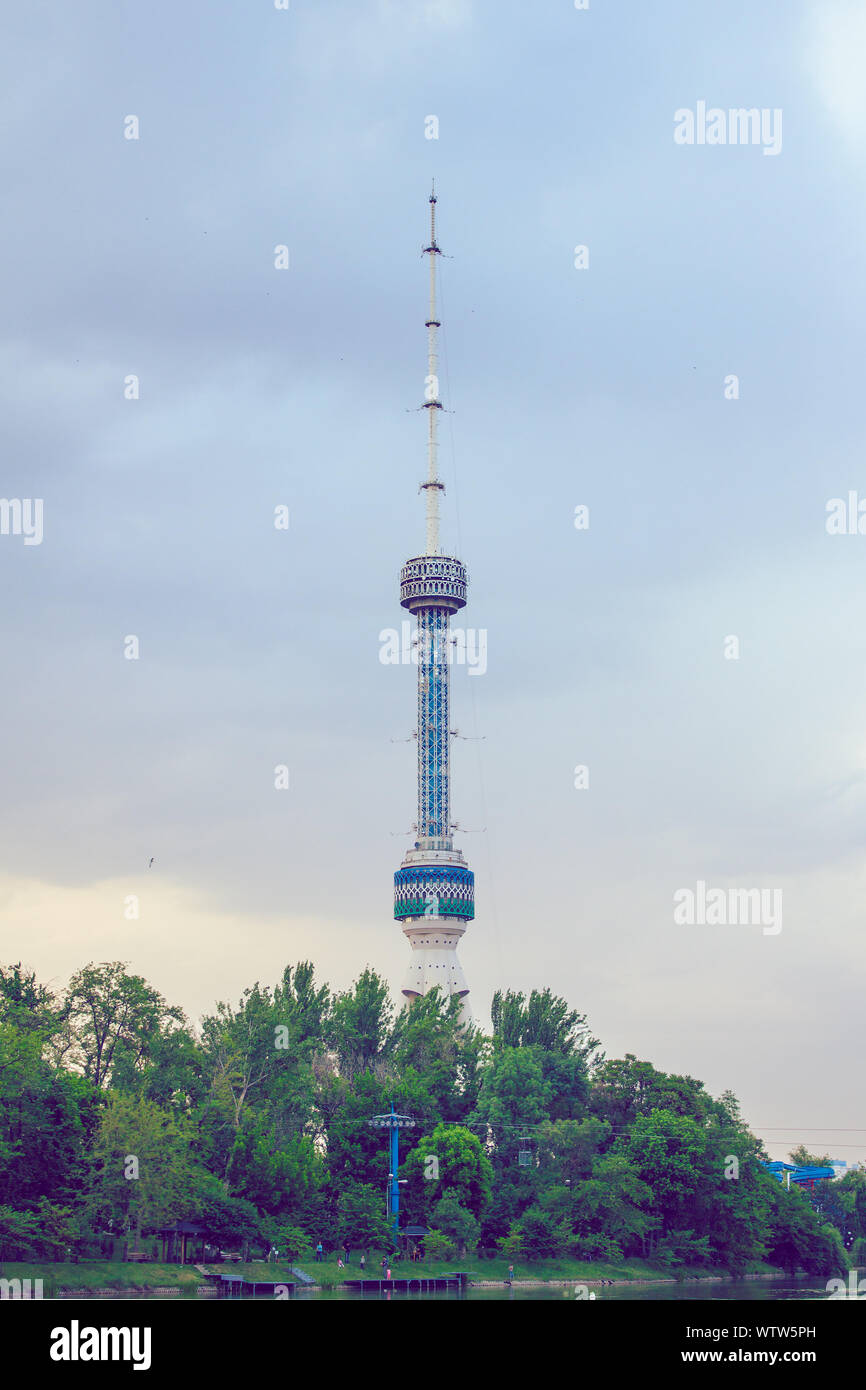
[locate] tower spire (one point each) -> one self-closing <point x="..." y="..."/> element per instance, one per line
<point x="432" y="486"/>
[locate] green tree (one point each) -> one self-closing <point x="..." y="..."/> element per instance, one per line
<point x="544" y="1021"/>
<point x="362" y="1221"/>
<point x="568" y="1148"/>
<point x="429" y="1040"/>
<point x="26" y="1004"/>
<point x="46" y="1118"/>
<point x="360" y="1024"/>
<point x="438" y="1246"/>
<point x="626" y="1088"/>
<point x="514" y="1093"/>
<point x="450" y="1159"/>
<point x="114" y="1018"/>
<point x="804" y="1159"/>
<point x="262" y="1051"/>
<point x="142" y="1172"/>
<point x="537" y="1235"/>
<point x="280" y="1176"/>
<point x="45" y="1233"/>
<point x="665" y="1150"/>
<point x="455" y="1222"/>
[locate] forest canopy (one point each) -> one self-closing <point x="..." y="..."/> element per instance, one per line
<point x="257" y="1124"/>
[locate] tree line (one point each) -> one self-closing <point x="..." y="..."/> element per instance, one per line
<point x="117" y="1117"/>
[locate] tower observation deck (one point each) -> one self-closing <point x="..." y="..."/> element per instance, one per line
<point x="434" y="888"/>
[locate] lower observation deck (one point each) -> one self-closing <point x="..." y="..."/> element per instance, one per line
<point x="434" y="890"/>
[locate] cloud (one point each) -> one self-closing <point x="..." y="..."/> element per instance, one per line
<point x="836" y="62"/>
<point x="434" y="14"/>
<point x="182" y="941"/>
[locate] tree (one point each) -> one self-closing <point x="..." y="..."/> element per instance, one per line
<point x="114" y="1017"/>
<point x="455" y="1222"/>
<point x="614" y="1202"/>
<point x="279" y="1175"/>
<point x="567" y="1148"/>
<point x="803" y="1159"/>
<point x="360" y="1023"/>
<point x="537" y="1235"/>
<point x="429" y="1040"/>
<point x="261" y="1052"/>
<point x="624" y="1089"/>
<point x="362" y="1221"/>
<point x="27" y="1004"/>
<point x="514" y="1093"/>
<point x="665" y="1151"/>
<point x="795" y="1238"/>
<point x="45" y="1233"/>
<point x="451" y="1159"/>
<point x="545" y="1021"/>
<point x="231" y="1221"/>
<point x="46" y="1118"/>
<point x="287" y="1240"/>
<point x="438" y="1246"/>
<point x="142" y="1175"/>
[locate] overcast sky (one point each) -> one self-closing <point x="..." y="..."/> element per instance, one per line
<point x="603" y="386"/>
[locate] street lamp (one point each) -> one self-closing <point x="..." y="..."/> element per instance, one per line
<point x="393" y="1123"/>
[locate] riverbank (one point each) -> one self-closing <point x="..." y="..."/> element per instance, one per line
<point x="105" y="1279"/>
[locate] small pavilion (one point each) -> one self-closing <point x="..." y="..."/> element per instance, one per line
<point x="412" y="1238"/>
<point x="183" y="1243"/>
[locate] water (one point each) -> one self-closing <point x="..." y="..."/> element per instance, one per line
<point x="767" y="1290"/>
<point x="736" y="1290"/>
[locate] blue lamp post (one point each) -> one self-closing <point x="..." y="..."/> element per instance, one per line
<point x="393" y="1123"/>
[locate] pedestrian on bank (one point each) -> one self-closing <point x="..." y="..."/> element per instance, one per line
<point x="511" y="1274"/>
<point x="319" y="1253"/>
<point x="363" y="1263"/>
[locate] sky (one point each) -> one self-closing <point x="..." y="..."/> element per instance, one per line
<point x="693" y="378"/>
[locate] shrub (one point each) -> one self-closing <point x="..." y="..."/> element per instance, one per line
<point x="438" y="1246"/>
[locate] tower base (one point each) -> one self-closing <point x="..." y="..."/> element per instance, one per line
<point x="434" y="960"/>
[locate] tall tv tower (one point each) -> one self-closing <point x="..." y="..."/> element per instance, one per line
<point x="434" y="889"/>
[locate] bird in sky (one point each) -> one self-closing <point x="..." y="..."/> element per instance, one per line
<point x="151" y="861"/>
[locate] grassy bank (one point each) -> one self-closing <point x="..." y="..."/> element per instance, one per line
<point x="101" y="1276"/>
<point x="584" y="1271"/>
<point x="98" y="1275"/>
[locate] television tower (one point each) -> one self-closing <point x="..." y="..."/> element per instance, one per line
<point x="434" y="889"/>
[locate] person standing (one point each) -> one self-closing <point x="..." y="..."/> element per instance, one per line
<point x="511" y="1274"/>
<point x="363" y="1264"/>
<point x="319" y="1253"/>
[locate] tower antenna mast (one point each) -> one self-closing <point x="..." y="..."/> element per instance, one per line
<point x="432" y="486"/>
